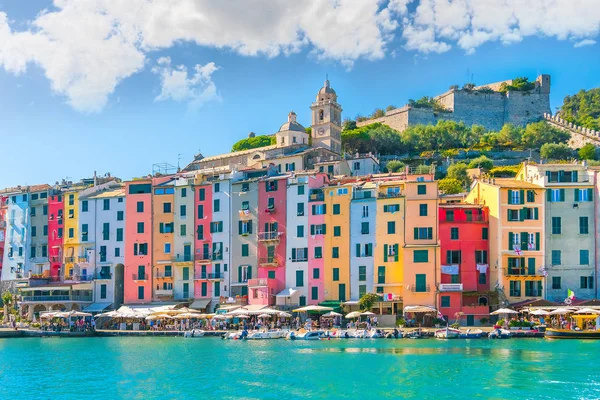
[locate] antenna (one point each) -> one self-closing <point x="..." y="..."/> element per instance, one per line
<point x="178" y="159"/>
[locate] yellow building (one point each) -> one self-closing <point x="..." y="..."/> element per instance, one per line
<point x="337" y="242"/>
<point x="421" y="244"/>
<point x="163" y="235"/>
<point x="516" y="236"/>
<point x="71" y="234"/>
<point x="389" y="239"/>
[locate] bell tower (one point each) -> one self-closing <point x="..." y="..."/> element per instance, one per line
<point x="327" y="120"/>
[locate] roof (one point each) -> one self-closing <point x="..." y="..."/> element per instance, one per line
<point x="511" y="184"/>
<point x="461" y="205"/>
<point x="292" y="126"/>
<point x="235" y="154"/>
<point x="326" y="88"/>
<point x="119" y="192"/>
<point x="535" y="303"/>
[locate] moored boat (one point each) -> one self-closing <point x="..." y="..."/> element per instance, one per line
<point x="194" y="333"/>
<point x="571" y="334"/>
<point x="447" y="333"/>
<point x="271" y="334"/>
<point x="471" y="334"/>
<point x="500" y="334"/>
<point x="309" y="335"/>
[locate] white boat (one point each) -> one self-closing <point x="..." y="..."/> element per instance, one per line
<point x="237" y="335"/>
<point x="309" y="335"/>
<point x="395" y="334"/>
<point x="375" y="334"/>
<point x="272" y="334"/>
<point x="194" y="333"/>
<point x="447" y="333"/>
<point x="500" y="334"/>
<point x="471" y="334"/>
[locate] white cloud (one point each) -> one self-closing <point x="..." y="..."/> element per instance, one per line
<point x="177" y="85"/>
<point x="86" y="48"/>
<point x="585" y="42"/>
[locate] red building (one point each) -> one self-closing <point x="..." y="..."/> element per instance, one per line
<point x="55" y="232"/>
<point x="203" y="259"/>
<point x="272" y="195"/>
<point x="464" y="290"/>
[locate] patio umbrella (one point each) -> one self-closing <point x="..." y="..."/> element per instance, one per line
<point x="285" y="315"/>
<point x="264" y="316"/>
<point x="187" y="315"/>
<point x="313" y="308"/>
<point x="367" y="313"/>
<point x="561" y="311"/>
<point x="587" y="311"/>
<point x="503" y="311"/>
<point x="539" y="312"/>
<point x="332" y="314"/>
<point x="353" y="314"/>
<point x="242" y="316"/>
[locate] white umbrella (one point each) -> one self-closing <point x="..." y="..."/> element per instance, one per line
<point x="561" y="311"/>
<point x="503" y="311"/>
<point x="332" y="314"/>
<point x="312" y="308"/>
<point x="242" y="316"/>
<point x="587" y="311"/>
<point x="353" y="314"/>
<point x="539" y="312"/>
<point x="285" y="315"/>
<point x="367" y="313"/>
<point x="264" y="316"/>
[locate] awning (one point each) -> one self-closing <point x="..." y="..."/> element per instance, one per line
<point x="289" y="292"/>
<point x="45" y="288"/>
<point x="419" y="309"/>
<point x="83" y="286"/>
<point x="200" y="304"/>
<point x="97" y="307"/>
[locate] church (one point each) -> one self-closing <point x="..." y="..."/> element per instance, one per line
<point x="295" y="149"/>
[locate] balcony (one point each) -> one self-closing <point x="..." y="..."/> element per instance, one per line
<point x="522" y="272"/>
<point x="420" y="288"/>
<point x="55" y="259"/>
<point x="103" y="276"/>
<point x="203" y="256"/>
<point x="182" y="258"/>
<point x="83" y="260"/>
<point x="79" y="278"/>
<point x="316" y="195"/>
<point x="451" y="287"/>
<point x="69" y="260"/>
<point x="259" y="282"/>
<point x="234" y="301"/>
<point x="269" y="236"/>
<point x="57" y="297"/>
<point x="139" y="277"/>
<point x="268" y="262"/>
<point x="216" y="276"/>
<point x="389" y="195"/>
<point x="163" y="292"/>
<point x="163" y="275"/>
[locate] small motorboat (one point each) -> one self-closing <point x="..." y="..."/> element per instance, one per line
<point x="571" y="334"/>
<point x="395" y="334"/>
<point x="416" y="334"/>
<point x="447" y="333"/>
<point x="471" y="334"/>
<point x="375" y="334"/>
<point x="238" y="335"/>
<point x="194" y="333"/>
<point x="500" y="334"/>
<point x="271" y="334"/>
<point x="308" y="335"/>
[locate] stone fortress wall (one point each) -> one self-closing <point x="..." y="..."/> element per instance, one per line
<point x="579" y="135"/>
<point x="473" y="107"/>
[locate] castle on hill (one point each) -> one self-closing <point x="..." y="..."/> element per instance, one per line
<point x="482" y="105"/>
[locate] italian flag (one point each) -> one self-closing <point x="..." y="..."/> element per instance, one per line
<point x="570" y="294"/>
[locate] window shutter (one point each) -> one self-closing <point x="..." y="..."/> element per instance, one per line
<point x="539" y="287"/>
<point x="312" y="230"/>
<point x="249" y="273"/>
<point x="524" y="240"/>
<point x="240" y="274"/>
<point x="385" y="252"/>
<point x="396" y="252"/>
<point x="522" y="214"/>
<point x="522" y="196"/>
<point x="324" y="208"/>
<point x="416" y="231"/>
<point x="576" y="194"/>
<point x="240" y="226"/>
<point x="357" y="249"/>
<point x="508" y="215"/>
<point x="448" y="257"/>
<point x="510" y="197"/>
<point x="562" y="194"/>
<point x="511" y="238"/>
<point x="536" y="214"/>
<point x="429" y="233"/>
<point x="574" y="176"/>
<point x="249" y="226"/>
<point x="293" y="254"/>
<point x="537" y="240"/>
<point x="266" y="227"/>
<point x="590" y="194"/>
<point x="385" y="208"/>
<point x="314" y="209"/>
<point x="549" y="195"/>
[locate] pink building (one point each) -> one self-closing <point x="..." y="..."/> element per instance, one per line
<point x="3" y="202"/>
<point x="272" y="195"/>
<point x="138" y="246"/>
<point x="203" y="273"/>
<point x="55" y="232"/>
<point x="316" y="243"/>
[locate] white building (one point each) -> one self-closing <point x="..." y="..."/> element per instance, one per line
<point x="362" y="239"/>
<point x="221" y="237"/>
<point x="296" y="267"/>
<point x="15" y="263"/>
<point x="183" y="243"/>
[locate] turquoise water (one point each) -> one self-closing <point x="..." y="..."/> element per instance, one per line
<point x="153" y="368"/>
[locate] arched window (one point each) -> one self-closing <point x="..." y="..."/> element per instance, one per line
<point x="256" y="157"/>
<point x="321" y="115"/>
<point x="483" y="301"/>
<point x="282" y="140"/>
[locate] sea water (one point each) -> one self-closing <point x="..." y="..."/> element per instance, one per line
<point x="174" y="368"/>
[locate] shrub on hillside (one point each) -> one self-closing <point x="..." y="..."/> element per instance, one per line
<point x="450" y="186"/>
<point x="556" y="151"/>
<point x="508" y="171"/>
<point x="482" y="162"/>
<point x="587" y="152"/>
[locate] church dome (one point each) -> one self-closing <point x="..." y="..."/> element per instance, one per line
<point x="291" y="124"/>
<point x="327" y="91"/>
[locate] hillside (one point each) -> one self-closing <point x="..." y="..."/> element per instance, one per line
<point x="583" y="109"/>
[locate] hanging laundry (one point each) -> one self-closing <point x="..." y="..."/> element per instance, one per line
<point x="482" y="268"/>
<point x="450" y="269"/>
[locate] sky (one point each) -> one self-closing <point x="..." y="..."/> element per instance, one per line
<point x="115" y="86"/>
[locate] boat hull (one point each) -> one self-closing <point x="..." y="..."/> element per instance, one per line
<point x="568" y="334"/>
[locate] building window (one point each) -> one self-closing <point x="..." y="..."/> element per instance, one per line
<point x="337" y="231"/>
<point x="182" y="211"/>
<point x="381" y="275"/>
<point x="391" y="208"/>
<point x="454" y="233"/>
<point x="420" y="256"/>
<point x="84" y="206"/>
<point x="587" y="282"/>
<point x="217" y="187"/>
<point x="515" y="197"/>
<point x="364" y="228"/>
<point x="202" y="194"/>
<point x="120" y="215"/>
<point x="245" y="250"/>
<point x="300" y="231"/>
<point x="583" y="195"/>
<point x="300" y="190"/>
<point x="299" y="278"/>
<point x="583" y="226"/>
<point x="423" y="210"/>
<point x="140" y="227"/>
<point x="423" y="233"/>
<point x="140" y="293"/>
<point x="300" y="254"/>
<point x="513" y="215"/>
<point x="106" y="205"/>
<point x="531" y="196"/>
<point x="365" y="211"/>
<point x="556" y="282"/>
<point x="167" y="248"/>
<point x="71" y="200"/>
<point x="421" y="189"/>
<point x="140" y="206"/>
<point x="33" y="231"/>
<point x="336" y="274"/>
<point x="117" y="252"/>
<point x="300" y="209"/>
<point x="103" y="291"/>
<point x="556" y="225"/>
<point x="445" y="301"/>
<point x="515" y="288"/>
<point x="391" y="227"/>
<point x="481" y="256"/>
<point x="314" y="293"/>
<point x="183" y="192"/>
<point x="316" y="273"/>
<point x="318" y="252"/>
<point x="335" y="252"/>
<point x="71" y="233"/>
<point x="216" y="205"/>
<point x="119" y="234"/>
<point x="182" y="230"/>
<point x="336" y="209"/>
<point x="484" y="233"/>
<point x="482" y="278"/>
<point x="166" y="208"/>
<point x="555" y="195"/>
<point x="362" y="273"/>
<point x="584" y="257"/>
<point x="453" y="256"/>
<point x="271" y="186"/>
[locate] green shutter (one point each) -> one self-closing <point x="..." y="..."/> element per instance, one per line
<point x="249" y="272"/>
<point x="531" y="266"/>
<point x="508" y="215"/>
<point x="576" y="194"/>
<point x="511" y="238"/>
<point x="524" y="240"/>
<point x="510" y="197"/>
<point x="536" y="214"/>
<point x="357" y="249"/>
<point x="312" y="230"/>
<point x="522" y="214"/>
<point x="562" y="194"/>
<point x="590" y="195"/>
<point x="385" y="208"/>
<point x="314" y="209"/>
<point x="429" y="233"/>
<point x="324" y="229"/>
<point x="574" y="176"/>
<point x="293" y="254"/>
<point x="549" y="195"/>
<point x="416" y="231"/>
<point x="249" y="226"/>
<point x="522" y="196"/>
<point x="396" y="252"/>
<point x="537" y="240"/>
<point x="324" y="208"/>
<point x="385" y="252"/>
<point x="240" y="227"/>
<point x="240" y="274"/>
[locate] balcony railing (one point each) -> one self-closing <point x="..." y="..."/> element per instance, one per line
<point x="55" y="259"/>
<point x="69" y="259"/>
<point x="203" y="256"/>
<point x="389" y="195"/>
<point x="258" y="282"/>
<point x="182" y="258"/>
<point x="104" y="276"/>
<point x="163" y="274"/>
<point x="83" y="260"/>
<point x="139" y="277"/>
<point x="79" y="278"/>
<point x="216" y="276"/>
<point x="57" y="298"/>
<point x="268" y="261"/>
<point x="163" y="292"/>
<point x="316" y="196"/>
<point x="451" y="287"/>
<point x="521" y="272"/>
<point x="420" y="288"/>
<point x="269" y="236"/>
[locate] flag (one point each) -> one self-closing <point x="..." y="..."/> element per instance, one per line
<point x="440" y="316"/>
<point x="517" y="249"/>
<point x="570" y="294"/>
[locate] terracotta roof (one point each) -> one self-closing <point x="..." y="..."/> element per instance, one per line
<point x="511" y="183"/>
<point x="117" y="192"/>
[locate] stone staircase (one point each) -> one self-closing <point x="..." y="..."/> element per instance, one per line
<point x="579" y="135"/>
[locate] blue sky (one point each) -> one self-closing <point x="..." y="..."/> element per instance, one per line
<point x="84" y="88"/>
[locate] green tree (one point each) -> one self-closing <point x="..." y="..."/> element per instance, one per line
<point x="556" y="151"/>
<point x="587" y="152"/>
<point x="366" y="302"/>
<point x="482" y="162"/>
<point x="450" y="186"/>
<point x="390" y="108"/>
<point x="349" y="124"/>
<point x="539" y="133"/>
<point x="458" y="171"/>
<point x="394" y="166"/>
<point x="6" y="301"/>
<point x="253" y="143"/>
<point x="378" y="113"/>
<point x="583" y="108"/>
<point x="510" y="136"/>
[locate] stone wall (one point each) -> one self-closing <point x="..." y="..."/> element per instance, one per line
<point x="580" y="136"/>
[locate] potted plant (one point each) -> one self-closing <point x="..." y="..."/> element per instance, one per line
<point x="400" y="322"/>
<point x="483" y="321"/>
